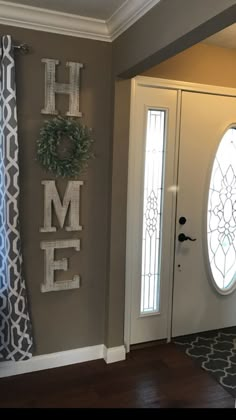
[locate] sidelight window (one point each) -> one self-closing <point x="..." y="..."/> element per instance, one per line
<point x="152" y="211"/>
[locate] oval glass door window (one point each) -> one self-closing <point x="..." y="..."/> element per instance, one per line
<point x="221" y="219"/>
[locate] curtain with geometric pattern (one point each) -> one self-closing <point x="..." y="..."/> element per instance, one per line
<point x="15" y="326"/>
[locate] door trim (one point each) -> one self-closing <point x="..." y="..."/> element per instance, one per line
<point x="173" y="219"/>
<point x="183" y="86"/>
<point x="179" y="86"/>
<point x="129" y="231"/>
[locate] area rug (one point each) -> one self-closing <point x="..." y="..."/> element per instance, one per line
<point x="215" y="351"/>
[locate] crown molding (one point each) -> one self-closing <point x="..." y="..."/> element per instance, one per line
<point x="45" y="20"/>
<point x="50" y="21"/>
<point x="129" y="13"/>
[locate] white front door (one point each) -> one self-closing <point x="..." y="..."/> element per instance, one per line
<point x="175" y="135"/>
<point x="151" y="211"/>
<point x="198" y="305"/>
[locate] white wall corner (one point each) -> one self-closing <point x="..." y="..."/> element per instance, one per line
<point x="114" y="354"/>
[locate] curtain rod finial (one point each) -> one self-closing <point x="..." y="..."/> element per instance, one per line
<point x="24" y="48"/>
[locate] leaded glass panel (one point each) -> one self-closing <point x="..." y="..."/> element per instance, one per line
<point x="221" y="221"/>
<point x="152" y="205"/>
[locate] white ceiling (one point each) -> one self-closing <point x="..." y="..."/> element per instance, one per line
<point x="114" y="16"/>
<point x="99" y="9"/>
<point x="103" y="20"/>
<point x="225" y="38"/>
<point x="76" y="18"/>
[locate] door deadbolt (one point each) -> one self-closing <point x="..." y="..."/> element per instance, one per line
<point x="182" y="220"/>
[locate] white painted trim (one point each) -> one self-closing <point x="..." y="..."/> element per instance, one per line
<point x="114" y="354"/>
<point x="173" y="218"/>
<point x="64" y="358"/>
<point x="129" y="226"/>
<point x="51" y="361"/>
<point x="129" y="13"/>
<point x="51" y="21"/>
<point x="45" y="20"/>
<point x="184" y="86"/>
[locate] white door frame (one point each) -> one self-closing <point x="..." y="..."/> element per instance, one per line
<point x="164" y="84"/>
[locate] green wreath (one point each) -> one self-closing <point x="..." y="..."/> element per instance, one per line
<point x="78" y="137"/>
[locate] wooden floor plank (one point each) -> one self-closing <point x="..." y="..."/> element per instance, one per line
<point x="161" y="376"/>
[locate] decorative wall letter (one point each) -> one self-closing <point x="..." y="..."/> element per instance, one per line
<point x="51" y="265"/>
<point x="52" y="87"/>
<point x="71" y="200"/>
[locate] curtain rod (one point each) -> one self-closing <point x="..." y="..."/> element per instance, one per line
<point x="22" y="47"/>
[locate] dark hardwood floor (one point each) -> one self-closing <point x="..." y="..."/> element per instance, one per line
<point x="161" y="376"/>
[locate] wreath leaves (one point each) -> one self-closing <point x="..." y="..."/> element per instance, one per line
<point x="51" y="135"/>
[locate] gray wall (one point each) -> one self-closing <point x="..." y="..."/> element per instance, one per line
<point x="95" y="313"/>
<point x="68" y="319"/>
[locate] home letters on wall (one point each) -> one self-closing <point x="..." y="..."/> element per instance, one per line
<point x="52" y="88"/>
<point x="71" y="204"/>
<point x="51" y="265"/>
<point x="51" y="135"/>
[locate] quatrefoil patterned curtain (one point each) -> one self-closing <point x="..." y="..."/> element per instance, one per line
<point x="15" y="326"/>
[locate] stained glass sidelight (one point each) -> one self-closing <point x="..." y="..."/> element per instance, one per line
<point x="221" y="221"/>
<point x="152" y="205"/>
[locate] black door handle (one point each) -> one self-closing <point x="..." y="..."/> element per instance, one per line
<point x="182" y="238"/>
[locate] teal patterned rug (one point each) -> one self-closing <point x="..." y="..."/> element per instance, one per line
<point x="215" y="351"/>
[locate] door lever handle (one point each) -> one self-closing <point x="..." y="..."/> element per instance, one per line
<point x="182" y="238"/>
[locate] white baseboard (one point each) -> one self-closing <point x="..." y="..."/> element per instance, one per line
<point x="114" y="354"/>
<point x="64" y="358"/>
